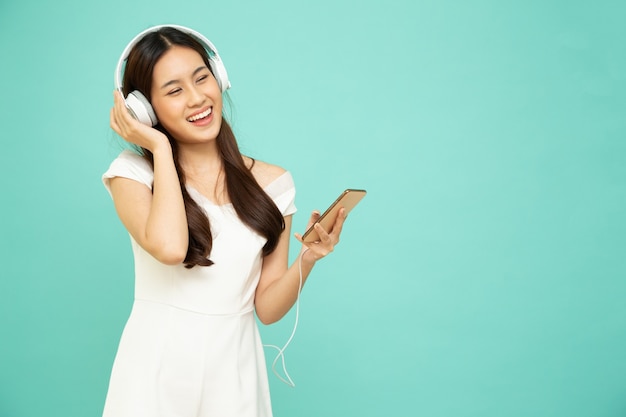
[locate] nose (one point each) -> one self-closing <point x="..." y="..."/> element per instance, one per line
<point x="195" y="97"/>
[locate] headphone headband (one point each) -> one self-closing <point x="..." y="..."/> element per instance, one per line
<point x="219" y="71"/>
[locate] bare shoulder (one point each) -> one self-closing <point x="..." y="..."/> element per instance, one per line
<point x="263" y="172"/>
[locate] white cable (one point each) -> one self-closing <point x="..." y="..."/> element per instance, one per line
<point x="281" y="351"/>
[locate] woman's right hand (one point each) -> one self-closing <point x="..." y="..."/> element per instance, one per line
<point x="125" y="125"/>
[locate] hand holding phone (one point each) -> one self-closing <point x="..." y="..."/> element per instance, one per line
<point x="348" y="200"/>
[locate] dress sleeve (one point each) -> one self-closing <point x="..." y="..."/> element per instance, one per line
<point x="129" y="165"/>
<point x="283" y="192"/>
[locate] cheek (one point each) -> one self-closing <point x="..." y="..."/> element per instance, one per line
<point x="157" y="106"/>
<point x="165" y="111"/>
<point x="219" y="103"/>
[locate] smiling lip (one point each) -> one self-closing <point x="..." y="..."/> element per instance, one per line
<point x="201" y="116"/>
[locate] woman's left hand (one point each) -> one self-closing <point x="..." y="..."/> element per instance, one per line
<point x="328" y="239"/>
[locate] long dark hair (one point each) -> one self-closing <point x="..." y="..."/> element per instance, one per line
<point x="253" y="206"/>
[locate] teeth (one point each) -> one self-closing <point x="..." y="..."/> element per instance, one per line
<point x="200" y="115"/>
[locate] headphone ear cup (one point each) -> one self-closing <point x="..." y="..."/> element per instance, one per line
<point x="219" y="72"/>
<point x="140" y="108"/>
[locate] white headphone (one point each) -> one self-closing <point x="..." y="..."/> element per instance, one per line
<point x="137" y="103"/>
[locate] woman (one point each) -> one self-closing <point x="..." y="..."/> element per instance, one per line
<point x="210" y="234"/>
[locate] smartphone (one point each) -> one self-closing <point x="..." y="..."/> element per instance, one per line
<point x="348" y="199"/>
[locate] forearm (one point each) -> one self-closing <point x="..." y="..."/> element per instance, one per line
<point x="278" y="298"/>
<point x="166" y="226"/>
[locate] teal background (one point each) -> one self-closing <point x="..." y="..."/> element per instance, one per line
<point x="483" y="275"/>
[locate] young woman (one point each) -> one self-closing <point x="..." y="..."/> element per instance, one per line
<point x="210" y="234"/>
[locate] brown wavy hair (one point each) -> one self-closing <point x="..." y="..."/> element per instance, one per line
<point x="253" y="206"/>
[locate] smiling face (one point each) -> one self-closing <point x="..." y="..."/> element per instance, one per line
<point x="186" y="97"/>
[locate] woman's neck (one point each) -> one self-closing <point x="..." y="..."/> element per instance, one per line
<point x="203" y="170"/>
<point x="200" y="160"/>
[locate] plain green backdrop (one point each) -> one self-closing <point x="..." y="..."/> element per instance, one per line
<point x="483" y="275"/>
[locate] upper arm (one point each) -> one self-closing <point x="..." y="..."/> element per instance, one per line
<point x="276" y="263"/>
<point x="132" y="201"/>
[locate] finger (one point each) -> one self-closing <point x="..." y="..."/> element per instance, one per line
<point x="115" y="120"/>
<point x="315" y="215"/>
<point x="123" y="116"/>
<point x="322" y="233"/>
<point x="307" y="246"/>
<point x="118" y="101"/>
<point x="118" y="97"/>
<point x="338" y="226"/>
<point x="115" y="111"/>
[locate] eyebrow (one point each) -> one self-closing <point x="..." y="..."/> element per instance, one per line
<point x="193" y="74"/>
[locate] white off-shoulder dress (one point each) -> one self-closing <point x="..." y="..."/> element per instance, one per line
<point x="191" y="346"/>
